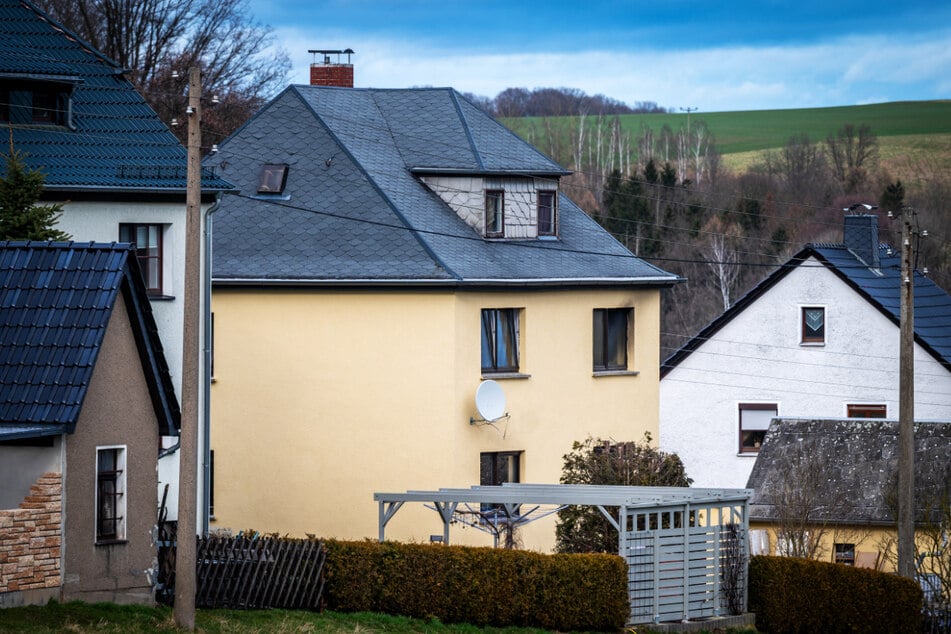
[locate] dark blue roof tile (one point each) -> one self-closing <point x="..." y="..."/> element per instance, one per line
<point x="116" y="140"/>
<point x="57" y="301"/>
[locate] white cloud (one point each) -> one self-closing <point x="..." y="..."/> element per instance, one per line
<point x="840" y="72"/>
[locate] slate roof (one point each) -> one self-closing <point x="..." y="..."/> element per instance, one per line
<point x="880" y="288"/>
<point x="355" y="211"/>
<point x="857" y="464"/>
<point x="118" y="142"/>
<point x="56" y="300"/>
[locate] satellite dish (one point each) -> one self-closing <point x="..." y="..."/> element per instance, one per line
<point x="490" y="400"/>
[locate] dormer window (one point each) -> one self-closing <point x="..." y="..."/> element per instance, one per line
<point x="26" y="102"/>
<point x="494" y="213"/>
<point x="273" y="178"/>
<point x="546" y="213"/>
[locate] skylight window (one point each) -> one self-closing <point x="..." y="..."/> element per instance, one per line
<point x="273" y="178"/>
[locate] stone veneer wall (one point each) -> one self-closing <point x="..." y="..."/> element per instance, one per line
<point x="31" y="538"/>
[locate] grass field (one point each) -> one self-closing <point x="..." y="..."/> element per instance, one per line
<point x="907" y="130"/>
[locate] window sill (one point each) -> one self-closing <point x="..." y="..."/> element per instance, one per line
<point x="161" y="298"/>
<point x="747" y="454"/>
<point x="812" y="344"/>
<point x="600" y="373"/>
<point x="111" y="542"/>
<point x="505" y="375"/>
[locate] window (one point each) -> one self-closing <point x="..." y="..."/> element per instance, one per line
<point x="494" y="213"/>
<point x="866" y="411"/>
<point x="273" y="179"/>
<point x="500" y="339"/>
<point x="496" y="468"/>
<point x="813" y="324"/>
<point x="147" y="239"/>
<point x="610" y="338"/>
<point x="110" y="494"/>
<point x="546" y="213"/>
<point x="844" y="554"/>
<point x="754" y="421"/>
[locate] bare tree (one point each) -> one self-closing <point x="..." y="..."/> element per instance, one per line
<point x="155" y="38"/>
<point x="724" y="258"/>
<point x="852" y="151"/>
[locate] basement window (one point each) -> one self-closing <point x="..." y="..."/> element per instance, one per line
<point x="865" y="410"/>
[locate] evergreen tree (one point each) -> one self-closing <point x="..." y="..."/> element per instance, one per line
<point x="583" y="529"/>
<point x="20" y="217"/>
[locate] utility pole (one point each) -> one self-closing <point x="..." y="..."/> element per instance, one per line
<point x="186" y="549"/>
<point x="906" y="403"/>
<point x="688" y="110"/>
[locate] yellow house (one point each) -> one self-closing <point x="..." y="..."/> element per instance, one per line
<point x="826" y="489"/>
<point x="391" y="251"/>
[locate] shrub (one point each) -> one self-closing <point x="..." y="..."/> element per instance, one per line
<point x="481" y="586"/>
<point x="792" y="595"/>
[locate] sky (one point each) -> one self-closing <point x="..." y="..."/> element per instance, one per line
<point x="679" y="54"/>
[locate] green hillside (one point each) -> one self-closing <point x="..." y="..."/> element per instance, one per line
<point x="903" y="128"/>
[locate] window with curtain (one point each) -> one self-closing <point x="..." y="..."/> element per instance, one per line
<point x="813" y="324"/>
<point x="610" y="338"/>
<point x="110" y="494"/>
<point x="500" y="339"/>
<point x="754" y="421"/>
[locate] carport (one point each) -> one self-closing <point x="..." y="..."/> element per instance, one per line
<point x="686" y="549"/>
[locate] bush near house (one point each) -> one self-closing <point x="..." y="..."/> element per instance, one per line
<point x="801" y="595"/>
<point x="480" y="586"/>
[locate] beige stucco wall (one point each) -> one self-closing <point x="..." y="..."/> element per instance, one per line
<point x="117" y="411"/>
<point x="323" y="398"/>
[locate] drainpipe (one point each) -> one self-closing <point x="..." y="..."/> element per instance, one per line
<point x="206" y="379"/>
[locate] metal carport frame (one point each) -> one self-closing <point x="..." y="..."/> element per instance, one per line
<point x="682" y="544"/>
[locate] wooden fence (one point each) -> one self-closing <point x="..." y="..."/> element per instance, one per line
<point x="249" y="571"/>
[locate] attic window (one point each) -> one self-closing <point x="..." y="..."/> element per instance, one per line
<point x="273" y="178"/>
<point x="494" y="213"/>
<point x="813" y="325"/>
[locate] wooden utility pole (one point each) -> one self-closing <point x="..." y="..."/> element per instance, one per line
<point x="186" y="548"/>
<point x="906" y="404"/>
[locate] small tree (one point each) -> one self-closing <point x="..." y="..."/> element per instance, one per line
<point x="20" y="217"/>
<point x="583" y="529"/>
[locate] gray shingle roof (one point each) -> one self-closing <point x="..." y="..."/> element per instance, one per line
<point x="857" y="464"/>
<point x="56" y="300"/>
<point x="117" y="141"/>
<point x="355" y="210"/>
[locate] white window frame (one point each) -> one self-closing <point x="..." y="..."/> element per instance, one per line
<point x="122" y="505"/>
<point x="800" y="324"/>
<point x="752" y="406"/>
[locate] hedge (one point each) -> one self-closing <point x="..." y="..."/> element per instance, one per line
<point x="791" y="595"/>
<point x="480" y="586"/>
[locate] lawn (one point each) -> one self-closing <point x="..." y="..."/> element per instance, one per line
<point x="80" y="618"/>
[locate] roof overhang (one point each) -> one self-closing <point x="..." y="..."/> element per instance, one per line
<point x="21" y="431"/>
<point x="469" y="284"/>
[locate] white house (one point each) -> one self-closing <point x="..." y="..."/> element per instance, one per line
<point x="818" y="338"/>
<point x="117" y="169"/>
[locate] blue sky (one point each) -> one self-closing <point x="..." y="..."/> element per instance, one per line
<point x="740" y="55"/>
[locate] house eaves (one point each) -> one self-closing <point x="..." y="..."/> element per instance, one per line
<point x="652" y="282"/>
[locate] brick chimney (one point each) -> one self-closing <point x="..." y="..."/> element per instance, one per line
<point x="860" y="236"/>
<point x="327" y="72"/>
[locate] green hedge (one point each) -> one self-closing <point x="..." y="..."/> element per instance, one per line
<point x="792" y="595"/>
<point x="481" y="586"/>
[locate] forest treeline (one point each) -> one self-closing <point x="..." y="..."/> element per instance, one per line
<point x="556" y="102"/>
<point x="668" y="197"/>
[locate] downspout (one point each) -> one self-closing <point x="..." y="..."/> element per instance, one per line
<point x="206" y="379"/>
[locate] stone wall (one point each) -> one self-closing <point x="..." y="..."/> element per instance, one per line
<point x="31" y="538"/>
